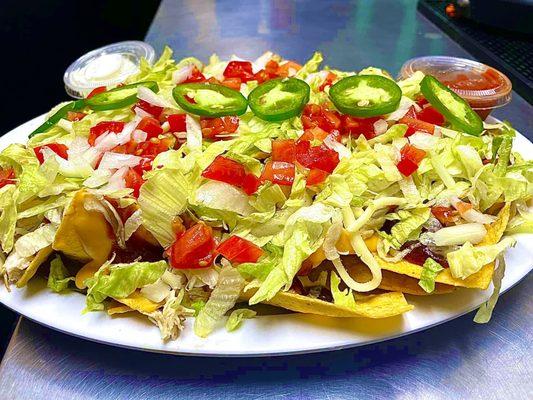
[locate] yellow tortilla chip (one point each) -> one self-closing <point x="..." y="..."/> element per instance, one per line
<point x="118" y="309"/>
<point x="136" y="301"/>
<point x="391" y="281"/>
<point x="85" y="236"/>
<point x="40" y="258"/>
<point x="370" y="306"/>
<point x="479" y="280"/>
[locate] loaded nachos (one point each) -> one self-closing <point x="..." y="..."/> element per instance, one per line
<point x="203" y="190"/>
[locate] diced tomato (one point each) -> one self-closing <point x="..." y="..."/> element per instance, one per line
<point x="155" y="111"/>
<point x="151" y="148"/>
<point x="212" y="127"/>
<point x="358" y="126"/>
<point x="279" y="172"/>
<point x="272" y="67"/>
<point x="316" y="116"/>
<point x="316" y="157"/>
<point x="239" y="69"/>
<point x="226" y="170"/>
<point x="250" y="184"/>
<point x="133" y="180"/>
<point x="431" y="115"/>
<point x="445" y="215"/>
<point x="412" y="153"/>
<point x="7" y="177"/>
<point x="59" y="149"/>
<point x="151" y="126"/>
<point x="177" y="122"/>
<point x="283" y="150"/>
<point x="422" y="101"/>
<point x="144" y="166"/>
<point x="75" y="116"/>
<point x="232" y="83"/>
<point x="263" y="76"/>
<point x="414" y="125"/>
<point x="96" y="90"/>
<point x="330" y="78"/>
<point x="239" y="250"/>
<point x="407" y="167"/>
<point x="103" y="127"/>
<point x="288" y="69"/>
<point x="194" y="248"/>
<point x="126" y="148"/>
<point x="195" y="76"/>
<point x="410" y="158"/>
<point x="315" y="177"/>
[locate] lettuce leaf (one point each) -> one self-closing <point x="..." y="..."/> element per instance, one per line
<point x="484" y="313"/>
<point x="310" y="66"/>
<point x="342" y="298"/>
<point x="58" y="278"/>
<point x="223" y="298"/>
<point x="161" y="199"/>
<point x="121" y="280"/>
<point x="237" y="317"/>
<point x="469" y="259"/>
<point x="8" y="220"/>
<point x="431" y="269"/>
<point x="408" y="227"/>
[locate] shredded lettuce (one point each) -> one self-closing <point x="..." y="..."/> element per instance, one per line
<point x="224" y="296"/>
<point x="431" y="269"/>
<point x="469" y="259"/>
<point x="237" y="317"/>
<point x="484" y="313"/>
<point x="162" y="198"/>
<point x="121" y="280"/>
<point x="408" y="227"/>
<point x="310" y="66"/>
<point x="58" y="278"/>
<point x="342" y="298"/>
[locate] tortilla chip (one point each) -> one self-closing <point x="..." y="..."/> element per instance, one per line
<point x="85" y="236"/>
<point x="479" y="280"/>
<point x="118" y="309"/>
<point x="136" y="301"/>
<point x="370" y="306"/>
<point x="40" y="258"/>
<point x="390" y="281"/>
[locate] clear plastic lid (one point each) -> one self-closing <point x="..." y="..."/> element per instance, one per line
<point x="106" y="66"/>
<point x="484" y="87"/>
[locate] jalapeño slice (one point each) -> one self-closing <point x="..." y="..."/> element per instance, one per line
<point x="365" y="95"/>
<point x="279" y="99"/>
<point x="455" y="109"/>
<point x="59" y="114"/>
<point x="209" y="100"/>
<point x="119" y="97"/>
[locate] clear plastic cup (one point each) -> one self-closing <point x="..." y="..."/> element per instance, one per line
<point x="106" y="66"/>
<point x="484" y="87"/>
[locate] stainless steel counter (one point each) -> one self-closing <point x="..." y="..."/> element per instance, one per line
<point x="457" y="360"/>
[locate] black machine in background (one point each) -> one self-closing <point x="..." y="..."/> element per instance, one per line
<point x="498" y="32"/>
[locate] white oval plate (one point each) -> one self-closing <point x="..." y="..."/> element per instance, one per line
<point x="262" y="336"/>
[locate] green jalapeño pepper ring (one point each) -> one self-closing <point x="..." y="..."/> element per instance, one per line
<point x="209" y="100"/>
<point x="365" y="95"/>
<point x="455" y="109"/>
<point x="279" y="99"/>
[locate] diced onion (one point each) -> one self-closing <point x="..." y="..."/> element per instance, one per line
<point x="182" y="74"/>
<point x="478" y="217"/>
<point x="118" y="160"/>
<point x="380" y="127"/>
<point x="338" y="147"/>
<point x="143" y="93"/>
